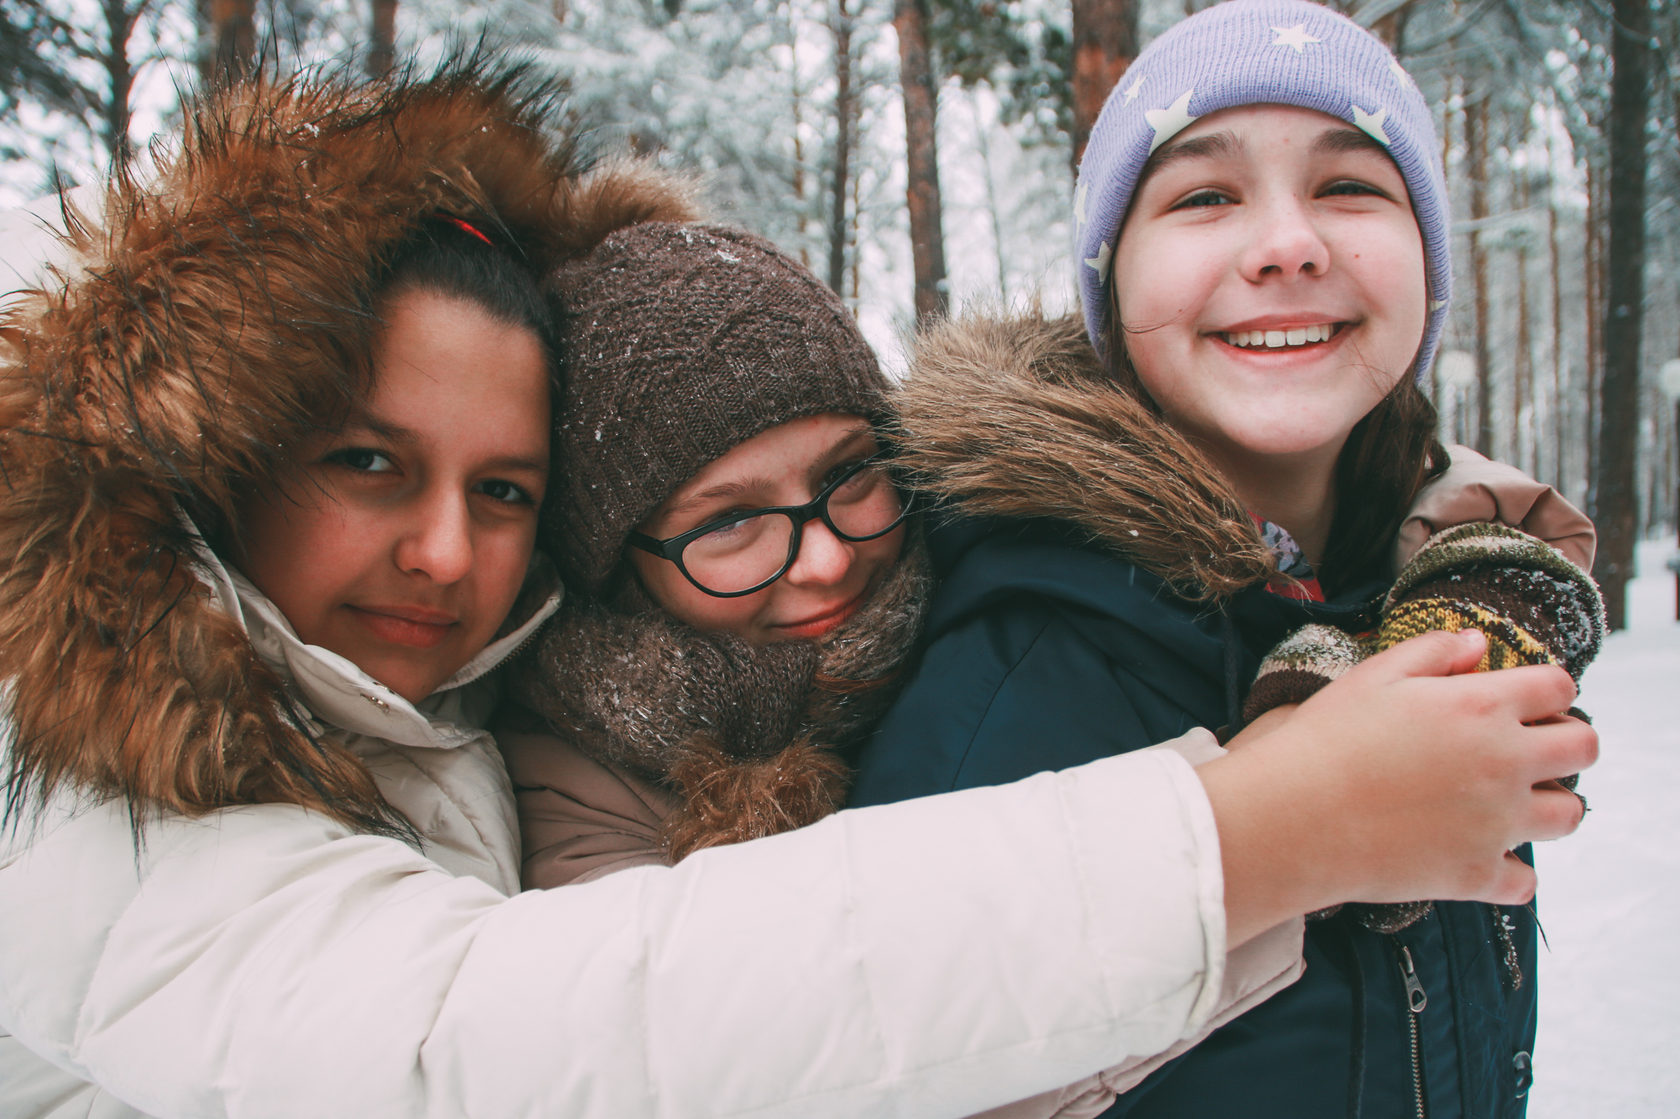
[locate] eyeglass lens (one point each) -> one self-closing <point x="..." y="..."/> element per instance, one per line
<point x="754" y="550"/>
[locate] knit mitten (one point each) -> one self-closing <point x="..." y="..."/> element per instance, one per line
<point x="1533" y="604"/>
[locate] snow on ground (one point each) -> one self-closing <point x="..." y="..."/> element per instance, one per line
<point x="1609" y="1040"/>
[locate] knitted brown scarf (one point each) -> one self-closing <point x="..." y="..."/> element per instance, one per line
<point x="750" y="738"/>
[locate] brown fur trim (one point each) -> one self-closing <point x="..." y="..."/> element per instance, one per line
<point x="618" y="193"/>
<point x="1017" y="418"/>
<point x="731" y="800"/>
<point x="225" y="313"/>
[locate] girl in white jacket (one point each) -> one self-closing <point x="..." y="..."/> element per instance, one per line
<point x="260" y="860"/>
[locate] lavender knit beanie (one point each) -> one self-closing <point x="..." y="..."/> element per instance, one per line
<point x="1257" y="52"/>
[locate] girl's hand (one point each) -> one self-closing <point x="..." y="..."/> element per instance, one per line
<point x="1409" y="777"/>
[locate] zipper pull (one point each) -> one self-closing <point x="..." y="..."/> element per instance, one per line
<point x="1416" y="997"/>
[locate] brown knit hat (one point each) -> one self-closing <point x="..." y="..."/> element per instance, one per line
<point x="682" y="341"/>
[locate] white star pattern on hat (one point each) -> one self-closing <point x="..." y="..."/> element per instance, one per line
<point x="1133" y="90"/>
<point x="1371" y="122"/>
<point x="1099" y="263"/>
<point x="1169" y="122"/>
<point x="1401" y="73"/>
<point x="1080" y="194"/>
<point x="1296" y="37"/>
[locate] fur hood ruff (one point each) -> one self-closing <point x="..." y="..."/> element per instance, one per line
<point x="210" y="319"/>
<point x="1016" y="417"/>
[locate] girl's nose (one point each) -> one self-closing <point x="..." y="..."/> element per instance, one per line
<point x="438" y="543"/>
<point x="1285" y="244"/>
<point x="823" y="559"/>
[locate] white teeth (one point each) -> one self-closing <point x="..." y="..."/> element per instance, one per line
<point x="1277" y="339"/>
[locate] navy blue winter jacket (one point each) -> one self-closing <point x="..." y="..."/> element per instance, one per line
<point x="1041" y="654"/>
<point x="1050" y="643"/>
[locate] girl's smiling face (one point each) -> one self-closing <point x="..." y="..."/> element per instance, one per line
<point x="787" y="465"/>
<point x="401" y="541"/>
<point x="1269" y="280"/>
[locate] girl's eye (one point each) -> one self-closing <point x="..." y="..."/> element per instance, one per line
<point x="1205" y="197"/>
<point x="364" y="459"/>
<point x="862" y="477"/>
<point x="509" y="493"/>
<point x="1354" y="186"/>
<point x="729" y="530"/>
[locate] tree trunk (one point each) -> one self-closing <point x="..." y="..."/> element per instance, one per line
<point x="853" y="247"/>
<point x="232" y="25"/>
<point x="842" y="147"/>
<point x="1476" y="141"/>
<point x="1554" y="253"/>
<point x="1105" y="40"/>
<point x="1615" y="500"/>
<point x="1522" y="382"/>
<point x="797" y="93"/>
<point x="1595" y="309"/>
<point x="927" y="237"/>
<point x="382" y="38"/>
<point x="119" y="28"/>
<point x="1438" y="392"/>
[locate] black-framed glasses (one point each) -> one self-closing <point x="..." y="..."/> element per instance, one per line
<point x="747" y="551"/>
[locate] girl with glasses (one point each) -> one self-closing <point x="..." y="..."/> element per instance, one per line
<point x="744" y="585"/>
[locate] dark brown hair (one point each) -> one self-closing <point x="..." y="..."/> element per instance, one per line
<point x="1387" y="458"/>
<point x="452" y="257"/>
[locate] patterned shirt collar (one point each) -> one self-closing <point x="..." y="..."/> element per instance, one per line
<point x="1291" y="561"/>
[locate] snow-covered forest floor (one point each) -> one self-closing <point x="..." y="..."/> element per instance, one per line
<point x="1610" y="894"/>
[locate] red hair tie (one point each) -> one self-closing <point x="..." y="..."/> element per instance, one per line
<point x="467" y="227"/>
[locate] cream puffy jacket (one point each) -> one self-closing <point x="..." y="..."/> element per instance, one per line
<point x="264" y="961"/>
<point x="927" y="959"/>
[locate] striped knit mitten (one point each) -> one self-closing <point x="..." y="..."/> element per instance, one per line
<point x="1534" y="605"/>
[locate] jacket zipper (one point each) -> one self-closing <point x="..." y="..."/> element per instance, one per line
<point x="1416" y="999"/>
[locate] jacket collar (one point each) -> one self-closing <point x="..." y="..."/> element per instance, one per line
<point x="1017" y="419"/>
<point x="339" y="694"/>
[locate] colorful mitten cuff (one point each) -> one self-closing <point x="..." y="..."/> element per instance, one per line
<point x="1300" y="665"/>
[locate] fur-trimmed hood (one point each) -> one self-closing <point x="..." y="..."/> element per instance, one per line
<point x="212" y="317"/>
<point x="1016" y="417"/>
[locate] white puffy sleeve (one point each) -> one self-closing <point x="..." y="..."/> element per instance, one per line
<point x="928" y="958"/>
